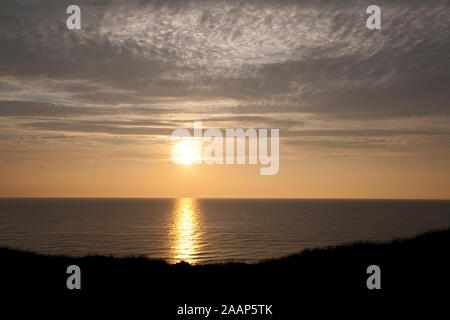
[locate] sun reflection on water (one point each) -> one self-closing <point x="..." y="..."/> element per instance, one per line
<point x="185" y="230"/>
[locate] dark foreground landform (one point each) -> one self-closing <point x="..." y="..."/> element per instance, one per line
<point x="416" y="268"/>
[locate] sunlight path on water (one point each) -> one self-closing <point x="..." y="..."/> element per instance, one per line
<point x="185" y="230"/>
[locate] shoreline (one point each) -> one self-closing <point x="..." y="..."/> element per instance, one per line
<point x="37" y="254"/>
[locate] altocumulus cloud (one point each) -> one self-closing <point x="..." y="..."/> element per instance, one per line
<point x="308" y="64"/>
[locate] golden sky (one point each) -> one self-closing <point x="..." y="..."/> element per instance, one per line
<point x="89" y="113"/>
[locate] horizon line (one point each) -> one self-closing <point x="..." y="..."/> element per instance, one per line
<point x="224" y="198"/>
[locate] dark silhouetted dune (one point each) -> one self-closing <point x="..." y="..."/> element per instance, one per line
<point x="417" y="268"/>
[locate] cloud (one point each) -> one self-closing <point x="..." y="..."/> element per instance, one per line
<point x="362" y="133"/>
<point x="89" y="127"/>
<point x="136" y="65"/>
<point x="43" y="109"/>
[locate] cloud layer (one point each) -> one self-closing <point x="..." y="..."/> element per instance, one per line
<point x="311" y="68"/>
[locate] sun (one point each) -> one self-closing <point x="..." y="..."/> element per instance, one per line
<point x="182" y="153"/>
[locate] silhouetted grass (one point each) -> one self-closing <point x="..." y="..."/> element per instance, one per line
<point x="409" y="267"/>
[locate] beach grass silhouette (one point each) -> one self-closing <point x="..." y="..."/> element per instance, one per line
<point x="409" y="267"/>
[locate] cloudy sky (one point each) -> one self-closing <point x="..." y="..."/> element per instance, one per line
<point x="362" y="113"/>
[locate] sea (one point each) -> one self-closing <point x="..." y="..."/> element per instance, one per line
<point x="209" y="230"/>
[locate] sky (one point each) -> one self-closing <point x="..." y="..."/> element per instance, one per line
<point x="89" y="113"/>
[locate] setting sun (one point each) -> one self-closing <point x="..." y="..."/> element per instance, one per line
<point x="182" y="152"/>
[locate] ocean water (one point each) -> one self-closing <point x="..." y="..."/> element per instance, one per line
<point x="209" y="230"/>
